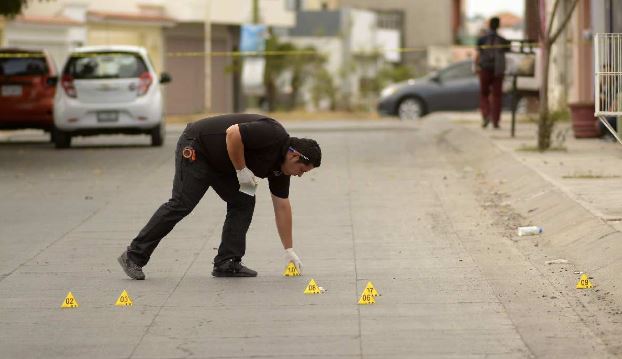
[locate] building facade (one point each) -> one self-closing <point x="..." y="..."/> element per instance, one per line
<point x="180" y="37"/>
<point x="226" y="17"/>
<point x="355" y="46"/>
<point x="571" y="77"/>
<point x="424" y="24"/>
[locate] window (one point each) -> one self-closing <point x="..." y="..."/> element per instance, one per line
<point x="105" y="65"/>
<point x="23" y="66"/>
<point x="390" y="20"/>
<point x="456" y="72"/>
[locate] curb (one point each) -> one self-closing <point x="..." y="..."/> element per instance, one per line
<point x="572" y="229"/>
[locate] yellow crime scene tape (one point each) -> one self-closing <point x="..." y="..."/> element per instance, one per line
<point x="242" y="53"/>
<point x="311" y="52"/>
<point x="262" y="53"/>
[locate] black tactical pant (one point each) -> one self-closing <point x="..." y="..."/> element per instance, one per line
<point x="191" y="181"/>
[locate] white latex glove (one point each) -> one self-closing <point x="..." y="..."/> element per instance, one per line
<point x="291" y="256"/>
<point x="247" y="180"/>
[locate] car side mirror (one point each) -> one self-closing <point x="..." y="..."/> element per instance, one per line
<point x="165" y="78"/>
<point x="436" y="78"/>
<point x="52" y="80"/>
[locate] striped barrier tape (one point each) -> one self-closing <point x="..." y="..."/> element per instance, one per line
<point x="261" y="53"/>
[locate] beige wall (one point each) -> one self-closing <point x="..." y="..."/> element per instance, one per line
<point x="219" y="12"/>
<point x="560" y="60"/>
<point x="237" y="12"/>
<point x="317" y="4"/>
<point x="571" y="71"/>
<point x="582" y="49"/>
<point x="55" y="8"/>
<point x="186" y="93"/>
<point x="229" y="12"/>
<point x="149" y="37"/>
<point x="222" y="94"/>
<point x="426" y="23"/>
<point x="188" y="10"/>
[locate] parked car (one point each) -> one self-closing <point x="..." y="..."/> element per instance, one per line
<point x="109" y="89"/>
<point x="27" y="86"/>
<point x="453" y="88"/>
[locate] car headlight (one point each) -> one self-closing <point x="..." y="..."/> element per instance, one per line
<point x="387" y="91"/>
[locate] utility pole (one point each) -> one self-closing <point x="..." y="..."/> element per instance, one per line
<point x="255" y="11"/>
<point x="207" y="45"/>
<point x="254" y="100"/>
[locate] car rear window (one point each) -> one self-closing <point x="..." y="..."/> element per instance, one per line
<point x="22" y="64"/>
<point x="105" y="65"/>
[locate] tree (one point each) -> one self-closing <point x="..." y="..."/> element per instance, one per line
<point x="547" y="39"/>
<point x="275" y="66"/>
<point x="283" y="57"/>
<point x="303" y="67"/>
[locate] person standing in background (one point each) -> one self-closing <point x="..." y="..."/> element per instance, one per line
<point x="490" y="67"/>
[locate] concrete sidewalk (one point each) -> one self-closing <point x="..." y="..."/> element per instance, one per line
<point x="575" y="194"/>
<point x="587" y="170"/>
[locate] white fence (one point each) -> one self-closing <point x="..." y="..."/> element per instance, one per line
<point x="608" y="79"/>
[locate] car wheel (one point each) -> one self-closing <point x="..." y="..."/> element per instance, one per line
<point x="410" y="109"/>
<point x="157" y="135"/>
<point x="61" y="139"/>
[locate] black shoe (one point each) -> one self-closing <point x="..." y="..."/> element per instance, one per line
<point x="130" y="268"/>
<point x="496" y="126"/>
<point x="232" y="268"/>
<point x="485" y="122"/>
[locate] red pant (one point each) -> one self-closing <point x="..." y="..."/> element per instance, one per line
<point x="490" y="93"/>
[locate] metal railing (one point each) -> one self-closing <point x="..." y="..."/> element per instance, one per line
<point x="608" y="79"/>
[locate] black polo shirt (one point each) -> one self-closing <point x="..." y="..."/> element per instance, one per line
<point x="265" y="146"/>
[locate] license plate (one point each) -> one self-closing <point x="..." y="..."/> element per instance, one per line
<point x="107" y="116"/>
<point x="11" y="90"/>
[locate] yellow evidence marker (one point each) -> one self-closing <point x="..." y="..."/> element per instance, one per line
<point x="369" y="289"/>
<point x="584" y="282"/>
<point x="312" y="288"/>
<point x="124" y="300"/>
<point x="366" y="298"/>
<point x="291" y="270"/>
<point x="70" y="301"/>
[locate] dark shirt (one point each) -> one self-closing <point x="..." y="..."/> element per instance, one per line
<point x="492" y="37"/>
<point x="265" y="146"/>
<point x="492" y="58"/>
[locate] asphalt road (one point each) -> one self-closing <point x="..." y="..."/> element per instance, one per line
<point x="393" y="203"/>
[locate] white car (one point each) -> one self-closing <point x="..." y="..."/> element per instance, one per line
<point x="108" y="89"/>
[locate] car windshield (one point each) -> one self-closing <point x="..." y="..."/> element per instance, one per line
<point x="22" y="64"/>
<point x="458" y="71"/>
<point x="105" y="65"/>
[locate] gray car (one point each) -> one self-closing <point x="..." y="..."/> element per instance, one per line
<point x="453" y="88"/>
